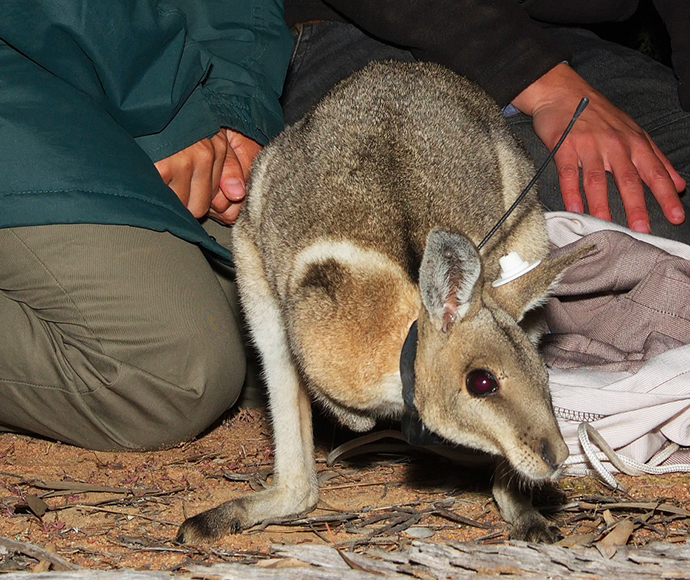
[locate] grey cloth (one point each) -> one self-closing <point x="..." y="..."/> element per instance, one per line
<point x="623" y="304"/>
<point x="115" y="337"/>
<point x="636" y="411"/>
<point x="327" y="52"/>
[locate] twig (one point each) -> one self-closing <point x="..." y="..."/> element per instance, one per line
<point x="457" y="518"/>
<point x="636" y="505"/>
<point x="39" y="553"/>
<point x="124" y="513"/>
<point x="347" y="559"/>
<point x="298" y="521"/>
<point x="78" y="487"/>
<point x="8" y="474"/>
<point x="489" y="536"/>
<point x="369" y="484"/>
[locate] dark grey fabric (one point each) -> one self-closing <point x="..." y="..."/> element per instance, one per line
<point x="509" y="48"/>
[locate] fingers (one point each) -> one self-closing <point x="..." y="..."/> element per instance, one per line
<point x="206" y="167"/>
<point x="227" y="217"/>
<point x="233" y="177"/>
<point x="245" y="150"/>
<point x="632" y="158"/>
<point x="632" y="163"/>
<point x="226" y="205"/>
<point x="630" y="188"/>
<point x="595" y="187"/>
<point x="235" y="173"/>
<point x="664" y="182"/>
<point x="194" y="173"/>
<point x="209" y="176"/>
<point x="567" y="165"/>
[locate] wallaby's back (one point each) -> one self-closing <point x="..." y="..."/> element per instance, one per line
<point x="394" y="151"/>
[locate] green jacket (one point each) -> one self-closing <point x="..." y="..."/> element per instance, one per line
<point x="92" y="92"/>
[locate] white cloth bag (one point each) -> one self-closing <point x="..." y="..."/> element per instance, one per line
<point x="636" y="413"/>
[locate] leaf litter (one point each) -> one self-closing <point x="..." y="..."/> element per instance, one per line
<point x="67" y="508"/>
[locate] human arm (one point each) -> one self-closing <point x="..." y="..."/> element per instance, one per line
<point x="171" y="74"/>
<point x="163" y="69"/>
<point x="492" y="42"/>
<point x="210" y="175"/>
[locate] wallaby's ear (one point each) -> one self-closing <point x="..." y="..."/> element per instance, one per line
<point x="448" y="276"/>
<point x="532" y="289"/>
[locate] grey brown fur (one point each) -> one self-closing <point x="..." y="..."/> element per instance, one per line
<point x="363" y="217"/>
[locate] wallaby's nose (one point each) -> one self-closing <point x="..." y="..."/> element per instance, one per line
<point x="548" y="454"/>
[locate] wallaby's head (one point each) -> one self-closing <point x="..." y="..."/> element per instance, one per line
<point x="479" y="380"/>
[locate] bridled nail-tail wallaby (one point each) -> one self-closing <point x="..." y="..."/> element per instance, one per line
<point x="361" y="226"/>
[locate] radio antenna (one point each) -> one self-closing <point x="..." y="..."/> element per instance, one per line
<point x="580" y="107"/>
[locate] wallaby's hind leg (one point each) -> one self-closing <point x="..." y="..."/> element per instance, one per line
<point x="295" y="487"/>
<point x="515" y="504"/>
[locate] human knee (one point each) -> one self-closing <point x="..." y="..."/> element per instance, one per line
<point x="169" y="387"/>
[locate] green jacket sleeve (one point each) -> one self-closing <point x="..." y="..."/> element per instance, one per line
<point x="248" y="46"/>
<point x="169" y="73"/>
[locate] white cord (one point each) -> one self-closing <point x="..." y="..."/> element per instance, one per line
<point x="588" y="435"/>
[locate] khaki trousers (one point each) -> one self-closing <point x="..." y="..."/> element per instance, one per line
<point x="114" y="337"/>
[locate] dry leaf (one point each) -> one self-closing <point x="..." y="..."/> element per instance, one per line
<point x="618" y="536"/>
<point x="44" y="565"/>
<point x="36" y="505"/>
<point x="354" y="565"/>
<point x="608" y="518"/>
<point x="576" y="540"/>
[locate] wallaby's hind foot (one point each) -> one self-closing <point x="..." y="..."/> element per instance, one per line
<point x="210" y="525"/>
<point x="243" y="512"/>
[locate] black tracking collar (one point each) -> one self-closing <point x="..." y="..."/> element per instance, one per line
<point x="414" y="430"/>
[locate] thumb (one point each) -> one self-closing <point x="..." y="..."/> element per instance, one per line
<point x="232" y="177"/>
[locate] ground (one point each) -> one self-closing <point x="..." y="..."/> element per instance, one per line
<point x="121" y="510"/>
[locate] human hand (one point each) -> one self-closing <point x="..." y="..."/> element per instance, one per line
<point x="603" y="139"/>
<point x="194" y="172"/>
<point x="210" y="175"/>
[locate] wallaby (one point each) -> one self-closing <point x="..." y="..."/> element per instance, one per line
<point x="362" y="218"/>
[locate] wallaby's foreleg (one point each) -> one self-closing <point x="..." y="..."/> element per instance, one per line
<point x="515" y="504"/>
<point x="294" y="489"/>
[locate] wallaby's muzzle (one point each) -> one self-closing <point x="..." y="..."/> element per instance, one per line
<point x="552" y="452"/>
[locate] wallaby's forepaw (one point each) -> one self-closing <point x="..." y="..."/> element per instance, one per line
<point x="212" y="524"/>
<point x="356" y="422"/>
<point x="535" y="529"/>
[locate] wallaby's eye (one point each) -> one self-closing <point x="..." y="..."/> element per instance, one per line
<point x="481" y="383"/>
